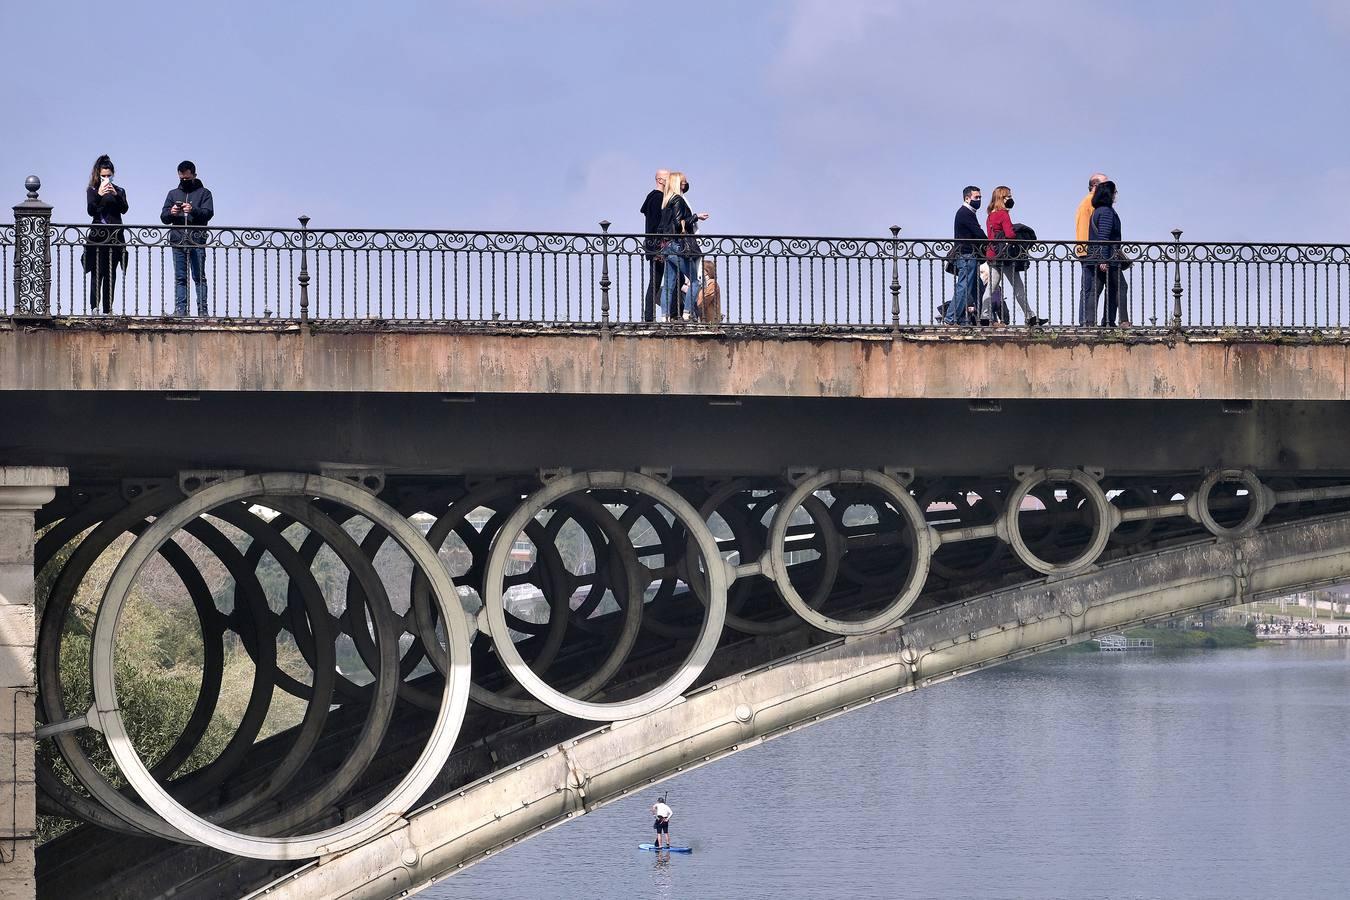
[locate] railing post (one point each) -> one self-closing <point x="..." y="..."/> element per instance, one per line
<point x="304" y="269"/>
<point x="604" y="278"/>
<point x="895" y="279"/>
<point x="1176" y="279"/>
<point x="32" y="255"/>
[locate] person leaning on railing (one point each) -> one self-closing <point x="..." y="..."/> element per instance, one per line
<point x="1090" y="289"/>
<point x="189" y="204"/>
<point x="678" y="222"/>
<point x="105" y="248"/>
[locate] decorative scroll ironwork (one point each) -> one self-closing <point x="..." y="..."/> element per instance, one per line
<point x="459" y="278"/>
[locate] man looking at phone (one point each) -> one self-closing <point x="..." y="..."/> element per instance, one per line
<point x="188" y="206"/>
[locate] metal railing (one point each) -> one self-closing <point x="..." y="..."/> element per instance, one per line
<point x="604" y="279"/>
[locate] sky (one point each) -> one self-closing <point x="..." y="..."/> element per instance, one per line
<point x="808" y="117"/>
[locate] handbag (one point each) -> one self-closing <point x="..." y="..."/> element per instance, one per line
<point x="949" y="263"/>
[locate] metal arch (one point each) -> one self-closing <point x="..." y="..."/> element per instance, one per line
<point x="1107" y="519"/>
<point x="924" y="545"/>
<point x="743" y="528"/>
<point x="1197" y="505"/>
<point x="708" y="636"/>
<point x="628" y="589"/>
<point x="443" y="735"/>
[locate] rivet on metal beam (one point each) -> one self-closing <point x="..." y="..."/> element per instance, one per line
<point x="182" y="395"/>
<point x="1237" y="407"/>
<point x="458" y="398"/>
<point x="724" y="403"/>
<point x="979" y="405"/>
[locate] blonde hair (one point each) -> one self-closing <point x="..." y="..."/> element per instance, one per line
<point x="1000" y="194"/>
<point x="674" y="183"/>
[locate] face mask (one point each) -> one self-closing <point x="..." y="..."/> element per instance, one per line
<point x="975" y="204"/>
<point x="1008" y="204"/>
<point x="185" y="184"/>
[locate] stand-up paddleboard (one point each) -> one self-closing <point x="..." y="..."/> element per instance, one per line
<point x="657" y="849"/>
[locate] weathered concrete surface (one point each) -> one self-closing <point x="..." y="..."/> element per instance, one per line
<point x="23" y="489"/>
<point x="151" y="357"/>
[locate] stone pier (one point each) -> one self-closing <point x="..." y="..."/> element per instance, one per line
<point x="23" y="489"/>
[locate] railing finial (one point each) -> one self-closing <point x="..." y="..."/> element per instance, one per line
<point x="1176" y="279"/>
<point x="32" y="255"/>
<point x="304" y="269"/>
<point x="895" y="279"/>
<point x="604" y="277"/>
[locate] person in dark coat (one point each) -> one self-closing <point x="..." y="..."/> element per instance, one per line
<point x="190" y="204"/>
<point x="656" y="264"/>
<point x="105" y="247"/>
<point x="969" y="241"/>
<point x="1104" y="251"/>
<point x="678" y="223"/>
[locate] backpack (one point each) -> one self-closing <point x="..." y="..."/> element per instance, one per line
<point x="1018" y="252"/>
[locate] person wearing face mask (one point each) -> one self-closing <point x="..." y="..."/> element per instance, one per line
<point x="105" y="248"/>
<point x="1002" y="265"/>
<point x="188" y="206"/>
<point x="969" y="241"/>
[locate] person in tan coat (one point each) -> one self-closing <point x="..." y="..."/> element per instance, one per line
<point x="709" y="300"/>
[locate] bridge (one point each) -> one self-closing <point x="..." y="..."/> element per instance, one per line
<point x="466" y="547"/>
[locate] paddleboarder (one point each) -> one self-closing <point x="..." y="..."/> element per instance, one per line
<point x="661" y="826"/>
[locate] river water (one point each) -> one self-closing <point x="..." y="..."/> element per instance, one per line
<point x="1218" y="774"/>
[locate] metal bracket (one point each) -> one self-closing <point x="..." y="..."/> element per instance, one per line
<point x="1022" y="473"/>
<point x="369" y="480"/>
<point x="192" y="481"/>
<point x="795" y="475"/>
<point x="902" y="474"/>
<point x="547" y="475"/>
<point x="662" y="474"/>
<point x="136" y="487"/>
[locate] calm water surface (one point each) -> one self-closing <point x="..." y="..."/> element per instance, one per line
<point x="1197" y="775"/>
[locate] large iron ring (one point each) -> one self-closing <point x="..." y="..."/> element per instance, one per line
<point x="443" y="734"/>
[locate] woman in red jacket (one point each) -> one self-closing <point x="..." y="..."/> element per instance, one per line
<point x="999" y="227"/>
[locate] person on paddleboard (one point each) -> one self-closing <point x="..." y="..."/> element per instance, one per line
<point x="662" y="824"/>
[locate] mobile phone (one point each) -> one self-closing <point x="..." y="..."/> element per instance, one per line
<point x="104" y="180"/>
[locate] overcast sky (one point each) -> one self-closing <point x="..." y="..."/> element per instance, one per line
<point x="794" y="117"/>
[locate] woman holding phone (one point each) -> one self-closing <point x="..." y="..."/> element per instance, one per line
<point x="105" y="247"/>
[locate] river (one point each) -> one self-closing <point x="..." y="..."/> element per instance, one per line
<point x="1216" y="774"/>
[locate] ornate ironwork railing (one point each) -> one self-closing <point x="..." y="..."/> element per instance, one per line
<point x="606" y="279"/>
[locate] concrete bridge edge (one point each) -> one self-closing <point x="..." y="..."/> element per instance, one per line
<point x="742" y="711"/>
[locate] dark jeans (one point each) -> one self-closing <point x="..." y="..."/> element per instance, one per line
<point x="1114" y="283"/>
<point x="1089" y="293"/>
<point x="103" y="278"/>
<point x="967" y="290"/>
<point x="656" y="266"/>
<point x="183" y="259"/>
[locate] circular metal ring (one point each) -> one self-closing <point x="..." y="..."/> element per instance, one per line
<point x="924" y="545"/>
<point x="1259" y="506"/>
<point x="751" y="535"/>
<point x="1107" y="518"/>
<point x="708" y="636"/>
<point x="443" y="734"/>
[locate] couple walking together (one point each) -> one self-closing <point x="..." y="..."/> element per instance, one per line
<point x="673" y="255"/>
<point x="984" y="258"/>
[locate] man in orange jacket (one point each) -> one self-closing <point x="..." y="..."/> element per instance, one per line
<point x="1091" y="288"/>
